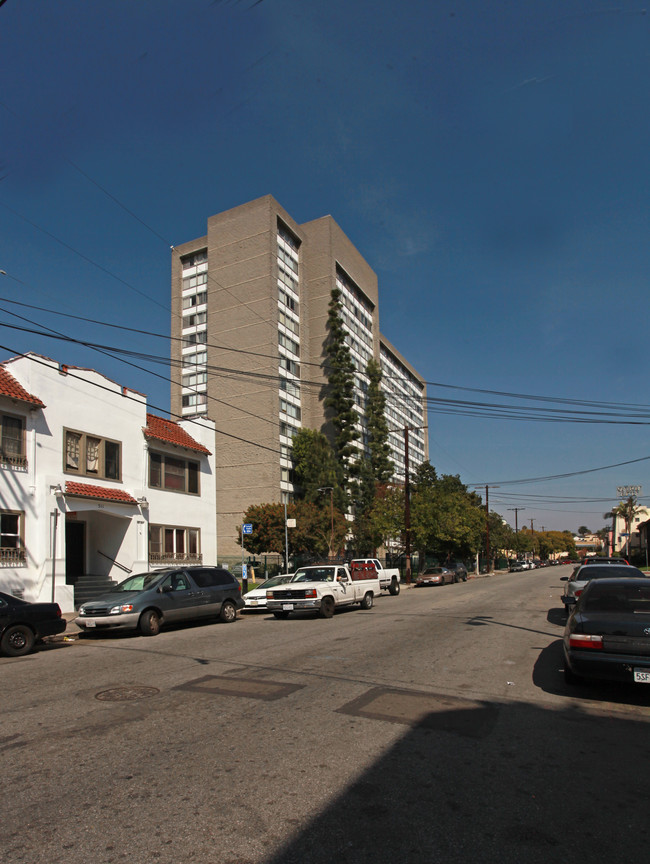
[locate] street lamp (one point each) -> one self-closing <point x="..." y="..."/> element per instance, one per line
<point x="330" y="489"/>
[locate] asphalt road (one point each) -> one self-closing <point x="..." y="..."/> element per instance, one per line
<point x="435" y="727"/>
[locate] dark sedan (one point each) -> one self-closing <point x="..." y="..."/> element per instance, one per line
<point x="436" y="576"/>
<point x="608" y="635"/>
<point x="22" y="624"/>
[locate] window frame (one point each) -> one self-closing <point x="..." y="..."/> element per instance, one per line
<point x="162" y="556"/>
<point x="82" y="470"/>
<point x="168" y="457"/>
<point x="13" y="554"/>
<point x="20" y="459"/>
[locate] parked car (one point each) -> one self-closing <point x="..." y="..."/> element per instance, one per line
<point x="459" y="569"/>
<point x="608" y="634"/>
<point x="516" y="566"/>
<point x="595" y="559"/>
<point x="256" y="597"/>
<point x="436" y="576"/>
<point x="323" y="588"/>
<point x="148" y="601"/>
<point x="577" y="581"/>
<point x="22" y="624"/>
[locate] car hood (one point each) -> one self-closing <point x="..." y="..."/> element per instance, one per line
<point x="112" y="598"/>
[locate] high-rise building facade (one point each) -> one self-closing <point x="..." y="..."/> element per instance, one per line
<point x="249" y="326"/>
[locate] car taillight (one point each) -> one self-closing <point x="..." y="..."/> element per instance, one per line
<point x="269" y="595"/>
<point x="311" y="592"/>
<point x="579" y="592"/>
<point x="584" y="640"/>
<point x="58" y="611"/>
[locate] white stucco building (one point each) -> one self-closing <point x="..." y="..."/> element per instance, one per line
<point x="92" y="486"/>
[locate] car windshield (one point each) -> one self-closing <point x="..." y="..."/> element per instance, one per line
<point x="618" y="598"/>
<point x="138" y="582"/>
<point x="607" y="571"/>
<point x="274" y="580"/>
<point x="431" y="571"/>
<point x="314" y="574"/>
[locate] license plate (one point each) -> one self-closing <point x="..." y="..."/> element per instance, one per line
<point x="91" y="623"/>
<point x="642" y="676"/>
<point x="252" y="602"/>
<point x="287" y="607"/>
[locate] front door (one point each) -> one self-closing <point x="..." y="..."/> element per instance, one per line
<point x="75" y="551"/>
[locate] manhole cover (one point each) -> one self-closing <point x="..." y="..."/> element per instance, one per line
<point x="126" y="694"/>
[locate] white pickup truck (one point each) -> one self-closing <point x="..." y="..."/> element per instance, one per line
<point x="323" y="588"/>
<point x="389" y="578"/>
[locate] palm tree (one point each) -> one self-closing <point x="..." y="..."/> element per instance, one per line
<point x="627" y="510"/>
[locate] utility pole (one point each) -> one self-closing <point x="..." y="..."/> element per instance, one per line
<point x="487" y="531"/>
<point x="532" y="531"/>
<point x="516" y="509"/>
<point x="407" y="507"/>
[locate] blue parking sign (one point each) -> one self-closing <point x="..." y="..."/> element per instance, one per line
<point x="247" y="528"/>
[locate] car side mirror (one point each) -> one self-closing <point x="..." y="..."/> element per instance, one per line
<point x="165" y="589"/>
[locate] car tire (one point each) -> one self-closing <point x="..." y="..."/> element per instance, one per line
<point x="17" y="640"/>
<point x="327" y="607"/>
<point x="228" y="612"/>
<point x="394" y="588"/>
<point x="282" y="616"/>
<point x="455" y="581"/>
<point x="367" y="601"/>
<point x="571" y="677"/>
<point x="149" y="623"/>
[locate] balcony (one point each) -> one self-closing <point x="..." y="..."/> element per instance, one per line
<point x="12" y="557"/>
<point x="175" y="558"/>
<point x="9" y="460"/>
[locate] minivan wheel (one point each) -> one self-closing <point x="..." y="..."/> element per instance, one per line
<point x="149" y="624"/>
<point x="228" y="612"/>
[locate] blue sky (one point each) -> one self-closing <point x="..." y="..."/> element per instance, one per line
<point x="488" y="159"/>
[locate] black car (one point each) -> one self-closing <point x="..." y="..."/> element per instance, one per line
<point x="459" y="569"/>
<point x="608" y="634"/>
<point x="22" y="624"/>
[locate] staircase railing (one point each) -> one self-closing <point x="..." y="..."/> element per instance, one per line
<point x="117" y="563"/>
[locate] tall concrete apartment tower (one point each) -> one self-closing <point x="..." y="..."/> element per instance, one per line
<point x="249" y="327"/>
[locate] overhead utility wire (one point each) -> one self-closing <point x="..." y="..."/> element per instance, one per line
<point x="191" y="420"/>
<point x="564" y="476"/>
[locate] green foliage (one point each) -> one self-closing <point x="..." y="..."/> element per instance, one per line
<point x="445" y="516"/>
<point x="315" y="465"/>
<point x="340" y="394"/>
<point x="375" y="415"/>
<point x="312" y="535"/>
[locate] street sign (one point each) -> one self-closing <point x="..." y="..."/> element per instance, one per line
<point x="244" y="571"/>
<point x="247" y="528"/>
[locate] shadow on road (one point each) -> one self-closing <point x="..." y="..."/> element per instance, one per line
<point x="490" y="783"/>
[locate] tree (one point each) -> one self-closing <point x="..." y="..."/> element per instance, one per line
<point x="627" y="510"/>
<point x="340" y="392"/>
<point x="313" y="532"/>
<point x="315" y="466"/>
<point x="445" y="517"/>
<point x="377" y="427"/>
<point x="582" y="530"/>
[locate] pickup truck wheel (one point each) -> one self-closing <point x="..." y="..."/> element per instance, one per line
<point x="394" y="588"/>
<point x="281" y="615"/>
<point x="367" y="601"/>
<point x="326" y="607"/>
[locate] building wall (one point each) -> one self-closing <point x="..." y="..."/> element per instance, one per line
<point x="246" y="364"/>
<point x="85" y="401"/>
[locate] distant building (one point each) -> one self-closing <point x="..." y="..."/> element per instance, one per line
<point x="92" y="486"/>
<point x="249" y="328"/>
<point x="637" y="533"/>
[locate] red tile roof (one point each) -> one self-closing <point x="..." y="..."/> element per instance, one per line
<point x="166" y="430"/>
<point x="10" y="387"/>
<point x="83" y="490"/>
